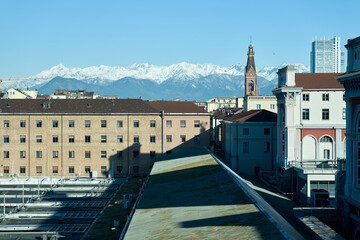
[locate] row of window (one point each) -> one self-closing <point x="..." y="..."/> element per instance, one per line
<point x="246" y="131"/>
<point x="103" y="154"/>
<point x="325" y="114"/>
<point x="103" y="124"/>
<point x="103" y="139"/>
<point x="246" y="147"/>
<point x="272" y="106"/>
<point x="71" y="169"/>
<point x="325" y="97"/>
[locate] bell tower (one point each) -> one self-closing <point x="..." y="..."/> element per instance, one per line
<point x="250" y="73"/>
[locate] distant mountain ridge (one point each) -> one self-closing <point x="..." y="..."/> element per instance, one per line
<point x="184" y="80"/>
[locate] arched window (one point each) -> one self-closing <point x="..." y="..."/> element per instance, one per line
<point x="251" y="86"/>
<point x="325" y="139"/>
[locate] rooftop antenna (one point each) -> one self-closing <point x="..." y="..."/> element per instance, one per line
<point x="250" y="39"/>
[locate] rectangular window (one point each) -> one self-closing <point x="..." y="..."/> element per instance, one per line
<point x="196" y="138"/>
<point x="22" y="139"/>
<point x="136" y="124"/>
<point x="183" y="123"/>
<point x="152" y="139"/>
<point x="325" y="114"/>
<point x="258" y="106"/>
<point x="39" y="139"/>
<point x="55" y="139"/>
<point x="22" y="123"/>
<point x="87" y="169"/>
<point x="266" y="131"/>
<point x="22" y="154"/>
<point x="55" y="123"/>
<point x="152" y="154"/>
<point x="22" y="170"/>
<point x="152" y="123"/>
<point x="197" y="123"/>
<point x="87" y="139"/>
<point x="6" y="124"/>
<point x="87" y="123"/>
<point x="103" y="154"/>
<point x="87" y="154"/>
<point x="136" y="153"/>
<point x="325" y="97"/>
<point x="168" y="138"/>
<point x="136" y="169"/>
<point x="245" y="147"/>
<point x="246" y="131"/>
<point x="71" y="139"/>
<point x="71" y="169"/>
<point x="119" y="123"/>
<point x="6" y="139"/>
<point x="306" y="97"/>
<point x="71" y="154"/>
<point x="326" y="153"/>
<point x="71" y="123"/>
<point x="103" y="138"/>
<point x="119" y="169"/>
<point x="305" y="114"/>
<point x="38" y="169"/>
<point x="6" y="169"/>
<point x="55" y="169"/>
<point x="272" y="106"/>
<point x="267" y="146"/>
<point x="168" y="123"/>
<point x="103" y="170"/>
<point x="119" y="154"/>
<point x="103" y="123"/>
<point x="38" y="154"/>
<point x="55" y="154"/>
<point x="182" y="138"/>
<point x="136" y="139"/>
<point x="38" y="123"/>
<point x="6" y="154"/>
<point x="119" y="139"/>
<point x="344" y="114"/>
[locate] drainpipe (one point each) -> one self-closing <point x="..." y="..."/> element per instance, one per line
<point x="162" y="132"/>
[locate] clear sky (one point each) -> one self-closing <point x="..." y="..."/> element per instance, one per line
<point x="36" y="35"/>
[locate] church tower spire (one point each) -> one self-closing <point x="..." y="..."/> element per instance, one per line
<point x="250" y="73"/>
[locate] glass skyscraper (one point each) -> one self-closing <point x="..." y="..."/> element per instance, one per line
<point x="326" y="56"/>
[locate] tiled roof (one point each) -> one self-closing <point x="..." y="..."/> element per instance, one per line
<point x="177" y="107"/>
<point x="254" y="116"/>
<point x="76" y="106"/>
<point x="317" y="80"/>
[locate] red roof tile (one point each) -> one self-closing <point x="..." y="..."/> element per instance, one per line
<point x="317" y="80"/>
<point x="261" y="115"/>
<point x="177" y="107"/>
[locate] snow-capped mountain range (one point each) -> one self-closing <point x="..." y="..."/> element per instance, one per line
<point x="184" y="80"/>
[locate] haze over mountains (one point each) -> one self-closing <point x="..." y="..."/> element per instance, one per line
<point x="186" y="81"/>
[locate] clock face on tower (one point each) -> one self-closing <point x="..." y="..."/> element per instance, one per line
<point x="251" y="74"/>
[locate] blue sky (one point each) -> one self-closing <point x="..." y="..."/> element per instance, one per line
<point x="36" y="35"/>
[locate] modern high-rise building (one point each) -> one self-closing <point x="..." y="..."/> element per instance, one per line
<point x="326" y="56"/>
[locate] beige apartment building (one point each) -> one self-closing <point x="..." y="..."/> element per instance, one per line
<point x="185" y="125"/>
<point x="260" y="102"/>
<point x="80" y="137"/>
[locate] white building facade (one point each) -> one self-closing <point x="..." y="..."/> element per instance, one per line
<point x="310" y="131"/>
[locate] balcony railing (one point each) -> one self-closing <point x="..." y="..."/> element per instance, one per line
<point x="315" y="164"/>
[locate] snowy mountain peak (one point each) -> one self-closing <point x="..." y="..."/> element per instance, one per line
<point x="178" y="72"/>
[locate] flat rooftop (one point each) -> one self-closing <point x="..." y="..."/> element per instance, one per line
<point x="189" y="195"/>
